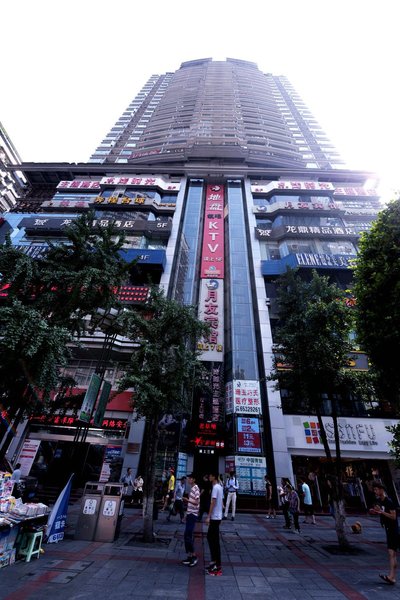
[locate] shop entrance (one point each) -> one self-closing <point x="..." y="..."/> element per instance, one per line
<point x="57" y="460"/>
<point x="357" y="478"/>
<point x="204" y="464"/>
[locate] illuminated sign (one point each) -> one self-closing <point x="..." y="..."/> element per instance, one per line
<point x="212" y="257"/>
<point x="72" y="421"/>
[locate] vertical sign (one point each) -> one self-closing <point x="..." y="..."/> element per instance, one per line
<point x="90" y="399"/>
<point x="102" y="403"/>
<point x="28" y="455"/>
<point x="212" y="257"/>
<point x="211" y="311"/>
<point x="248" y="435"/>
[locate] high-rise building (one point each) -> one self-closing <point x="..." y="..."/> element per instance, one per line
<point x="210" y="109"/>
<point x="221" y="178"/>
<point x="12" y="183"/>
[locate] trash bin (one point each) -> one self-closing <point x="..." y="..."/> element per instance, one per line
<point x="89" y="511"/>
<point x="110" y="514"/>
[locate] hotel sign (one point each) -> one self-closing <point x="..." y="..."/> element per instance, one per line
<point x="211" y="311"/>
<point x="302" y="230"/>
<point x="328" y="261"/>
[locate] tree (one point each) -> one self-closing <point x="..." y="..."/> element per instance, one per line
<point x="312" y="357"/>
<point x="163" y="372"/>
<point x="46" y="305"/>
<point x="377" y="292"/>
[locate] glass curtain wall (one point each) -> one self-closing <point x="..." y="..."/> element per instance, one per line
<point x="186" y="273"/>
<point x="241" y="357"/>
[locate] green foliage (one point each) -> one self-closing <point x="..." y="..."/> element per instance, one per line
<point x="377" y="290"/>
<point x="48" y="303"/>
<point x="395" y="443"/>
<point x="164" y="367"/>
<point x="312" y="339"/>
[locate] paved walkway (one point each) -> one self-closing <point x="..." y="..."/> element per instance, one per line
<point x="259" y="558"/>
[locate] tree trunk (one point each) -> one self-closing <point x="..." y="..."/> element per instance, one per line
<point x="322" y="431"/>
<point x="152" y="435"/>
<point x="338" y="504"/>
<point x="340" y="518"/>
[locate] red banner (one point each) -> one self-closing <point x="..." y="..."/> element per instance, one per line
<point x="212" y="257"/>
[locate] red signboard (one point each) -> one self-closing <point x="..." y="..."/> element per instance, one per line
<point x="248" y="435"/>
<point x="212" y="258"/>
<point x="73" y="421"/>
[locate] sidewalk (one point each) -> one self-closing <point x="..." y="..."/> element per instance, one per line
<point x="259" y="558"/>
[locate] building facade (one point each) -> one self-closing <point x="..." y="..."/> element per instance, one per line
<point x="12" y="183"/>
<point x="221" y="178"/>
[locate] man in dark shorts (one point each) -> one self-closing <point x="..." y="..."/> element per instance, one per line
<point x="388" y="515"/>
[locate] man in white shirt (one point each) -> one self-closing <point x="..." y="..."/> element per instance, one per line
<point x="232" y="487"/>
<point x="307" y="501"/>
<point x="214" y="519"/>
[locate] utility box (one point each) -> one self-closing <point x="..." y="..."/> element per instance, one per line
<point x="89" y="511"/>
<point x="110" y="514"/>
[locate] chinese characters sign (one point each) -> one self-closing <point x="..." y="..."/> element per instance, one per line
<point x="319" y="186"/>
<point x="243" y="397"/>
<point x="142" y="181"/>
<point x="211" y="310"/>
<point x="78" y="185"/>
<point x="250" y="472"/>
<point x="248" y="435"/>
<point x="212" y="259"/>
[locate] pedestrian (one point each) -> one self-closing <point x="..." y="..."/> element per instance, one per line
<point x="283" y="491"/>
<point x="214" y="519"/>
<point x="127" y="482"/>
<point x="177" y="500"/>
<point x="205" y="496"/>
<point x="294" y="508"/>
<point x="170" y="489"/>
<point x="16" y="474"/>
<point x="138" y="489"/>
<point x="231" y="487"/>
<point x="192" y="515"/>
<point x="16" y="478"/>
<point x="386" y="509"/>
<point x="307" y="501"/>
<point x="268" y="498"/>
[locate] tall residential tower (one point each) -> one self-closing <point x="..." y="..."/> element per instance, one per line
<point x="227" y="110"/>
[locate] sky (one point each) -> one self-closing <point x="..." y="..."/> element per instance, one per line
<point x="71" y="67"/>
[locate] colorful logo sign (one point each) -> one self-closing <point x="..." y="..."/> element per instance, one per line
<point x="311" y="431"/>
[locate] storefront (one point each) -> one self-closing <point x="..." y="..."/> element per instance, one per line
<point x="365" y="453"/>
